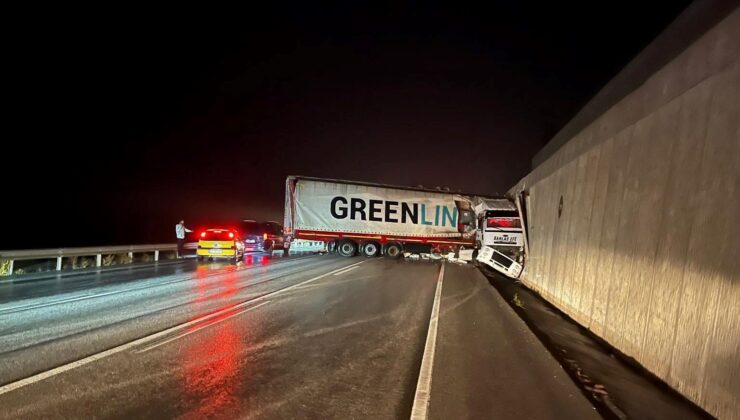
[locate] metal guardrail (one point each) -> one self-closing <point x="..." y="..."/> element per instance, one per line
<point x="60" y="253"/>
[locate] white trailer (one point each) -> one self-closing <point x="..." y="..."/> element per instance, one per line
<point x="377" y="219"/>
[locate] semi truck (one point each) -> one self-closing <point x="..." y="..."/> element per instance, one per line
<point x="377" y="219"/>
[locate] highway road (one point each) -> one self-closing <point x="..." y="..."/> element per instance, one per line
<point x="299" y="337"/>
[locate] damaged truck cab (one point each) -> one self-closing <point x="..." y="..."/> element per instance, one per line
<point x="500" y="237"/>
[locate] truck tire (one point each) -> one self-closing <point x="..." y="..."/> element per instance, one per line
<point x="347" y="248"/>
<point x="393" y="250"/>
<point x="371" y="249"/>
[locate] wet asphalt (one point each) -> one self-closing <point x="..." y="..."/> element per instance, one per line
<point x="307" y="337"/>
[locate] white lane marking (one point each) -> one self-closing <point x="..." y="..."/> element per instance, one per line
<point x="345" y="271"/>
<point x="177" y="337"/>
<point x="89" y="359"/>
<point x="420" y="410"/>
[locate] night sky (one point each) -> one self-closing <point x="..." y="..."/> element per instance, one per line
<point x="124" y="121"/>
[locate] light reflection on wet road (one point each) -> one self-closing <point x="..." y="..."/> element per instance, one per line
<point x="272" y="338"/>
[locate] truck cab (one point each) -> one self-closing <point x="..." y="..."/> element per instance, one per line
<point x="499" y="225"/>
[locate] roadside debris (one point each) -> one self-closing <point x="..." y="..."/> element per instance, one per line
<point x="518" y="302"/>
<point x="466" y="255"/>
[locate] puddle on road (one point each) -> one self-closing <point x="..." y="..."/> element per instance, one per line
<point x="616" y="385"/>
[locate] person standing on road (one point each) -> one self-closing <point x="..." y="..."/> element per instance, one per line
<point x="180" y="231"/>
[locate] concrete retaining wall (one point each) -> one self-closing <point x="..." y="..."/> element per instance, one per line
<point x="646" y="249"/>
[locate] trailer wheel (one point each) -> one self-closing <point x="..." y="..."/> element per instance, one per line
<point x="393" y="250"/>
<point x="371" y="249"/>
<point x="347" y="248"/>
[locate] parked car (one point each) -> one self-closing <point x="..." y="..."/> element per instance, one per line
<point x="263" y="236"/>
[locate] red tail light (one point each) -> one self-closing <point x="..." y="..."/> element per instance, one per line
<point x="202" y="234"/>
<point x="264" y="236"/>
<point x="231" y="235"/>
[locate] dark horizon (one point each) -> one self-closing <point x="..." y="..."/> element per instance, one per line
<point x="122" y="126"/>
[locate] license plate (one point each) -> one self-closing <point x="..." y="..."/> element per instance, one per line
<point x="215" y="252"/>
<point x="506" y="240"/>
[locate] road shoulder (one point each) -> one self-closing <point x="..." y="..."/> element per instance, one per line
<point x="489" y="364"/>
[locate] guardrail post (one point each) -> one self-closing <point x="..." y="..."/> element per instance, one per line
<point x="98" y="260"/>
<point x="156" y="255"/>
<point x="10" y="268"/>
<point x="131" y="256"/>
<point x="59" y="263"/>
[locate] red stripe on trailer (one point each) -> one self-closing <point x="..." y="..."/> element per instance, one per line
<point x="319" y="235"/>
